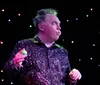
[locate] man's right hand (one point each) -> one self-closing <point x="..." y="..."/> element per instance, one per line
<point x="19" y="58"/>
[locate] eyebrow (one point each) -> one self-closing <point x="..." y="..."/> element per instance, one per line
<point x="57" y="22"/>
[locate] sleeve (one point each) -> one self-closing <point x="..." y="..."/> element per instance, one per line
<point x="9" y="68"/>
<point x="66" y="67"/>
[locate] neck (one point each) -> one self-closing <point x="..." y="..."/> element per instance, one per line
<point x="45" y="40"/>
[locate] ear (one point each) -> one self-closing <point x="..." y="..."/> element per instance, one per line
<point x="40" y="26"/>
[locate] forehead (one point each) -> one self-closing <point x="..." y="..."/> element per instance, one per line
<point x="51" y="17"/>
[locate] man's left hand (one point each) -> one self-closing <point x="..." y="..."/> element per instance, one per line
<point x="75" y="75"/>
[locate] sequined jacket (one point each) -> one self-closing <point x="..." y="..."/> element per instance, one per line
<point x="42" y="66"/>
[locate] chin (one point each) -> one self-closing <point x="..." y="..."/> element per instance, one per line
<point x="56" y="38"/>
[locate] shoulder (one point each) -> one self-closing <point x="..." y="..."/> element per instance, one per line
<point x="59" y="46"/>
<point x="25" y="41"/>
<point x="63" y="49"/>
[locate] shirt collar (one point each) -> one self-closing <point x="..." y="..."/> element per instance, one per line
<point x="38" y="41"/>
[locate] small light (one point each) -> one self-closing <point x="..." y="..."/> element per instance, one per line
<point x="91" y="58"/>
<point x="91" y="9"/>
<point x="19" y="14"/>
<point x="72" y="41"/>
<point x="87" y="15"/>
<point x="67" y="20"/>
<point x="9" y="20"/>
<point x="2" y="79"/>
<point x="1" y="42"/>
<point x="99" y="65"/>
<point x="30" y="26"/>
<point x="79" y="59"/>
<point x="76" y="18"/>
<point x="11" y="82"/>
<point x="62" y="39"/>
<point x="1" y="70"/>
<point x="3" y="10"/>
<point x="93" y="44"/>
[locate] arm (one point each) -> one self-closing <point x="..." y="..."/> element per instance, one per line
<point x="72" y="82"/>
<point x="74" y="76"/>
<point x="9" y="67"/>
<point x="28" y="73"/>
<point x="67" y="69"/>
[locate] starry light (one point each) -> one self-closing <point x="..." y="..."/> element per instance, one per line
<point x="67" y="20"/>
<point x="11" y="82"/>
<point x="79" y="59"/>
<point x="2" y="80"/>
<point x="19" y="14"/>
<point x="72" y="41"/>
<point x="1" y="71"/>
<point x="76" y="18"/>
<point x="93" y="44"/>
<point x="9" y="20"/>
<point x="3" y="10"/>
<point x="91" y="58"/>
<point x="99" y="65"/>
<point x="30" y="26"/>
<point x="62" y="39"/>
<point x="1" y="42"/>
<point x="87" y="15"/>
<point x="91" y="9"/>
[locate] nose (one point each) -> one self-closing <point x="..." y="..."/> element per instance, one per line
<point x="58" y="27"/>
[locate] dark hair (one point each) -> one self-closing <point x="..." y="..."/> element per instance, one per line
<point x="40" y="16"/>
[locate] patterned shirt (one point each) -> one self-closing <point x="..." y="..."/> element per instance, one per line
<point x="42" y="66"/>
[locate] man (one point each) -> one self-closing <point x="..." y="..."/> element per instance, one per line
<point x="45" y="62"/>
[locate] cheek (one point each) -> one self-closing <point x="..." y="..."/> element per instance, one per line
<point x="50" y="30"/>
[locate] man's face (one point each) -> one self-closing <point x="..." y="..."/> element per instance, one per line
<point x="51" y="27"/>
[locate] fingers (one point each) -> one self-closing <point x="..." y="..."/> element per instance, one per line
<point x="75" y="74"/>
<point x="21" y="50"/>
<point x="19" y="58"/>
<point x="72" y="71"/>
<point x="79" y="77"/>
<point x="20" y="64"/>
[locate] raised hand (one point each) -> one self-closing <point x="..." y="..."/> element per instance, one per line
<point x="20" y="57"/>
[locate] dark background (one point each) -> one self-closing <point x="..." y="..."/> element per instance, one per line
<point x="84" y="32"/>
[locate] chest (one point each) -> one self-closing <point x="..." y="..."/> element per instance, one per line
<point x="47" y="58"/>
